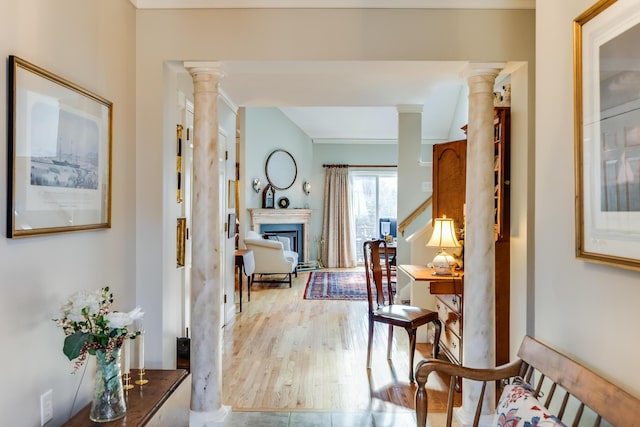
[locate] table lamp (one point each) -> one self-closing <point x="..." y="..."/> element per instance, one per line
<point x="444" y="236"/>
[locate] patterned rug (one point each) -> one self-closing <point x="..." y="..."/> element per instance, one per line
<point x="336" y="285"/>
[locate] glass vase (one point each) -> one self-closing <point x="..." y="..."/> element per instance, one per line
<point x="108" y="396"/>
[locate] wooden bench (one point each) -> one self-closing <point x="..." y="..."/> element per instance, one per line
<point x="575" y="394"/>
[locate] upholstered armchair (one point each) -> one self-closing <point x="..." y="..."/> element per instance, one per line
<point x="271" y="257"/>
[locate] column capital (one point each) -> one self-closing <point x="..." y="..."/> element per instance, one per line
<point x="483" y="69"/>
<point x="204" y="67"/>
<point x="410" y="108"/>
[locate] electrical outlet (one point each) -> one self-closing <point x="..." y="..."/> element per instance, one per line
<point x="46" y="407"/>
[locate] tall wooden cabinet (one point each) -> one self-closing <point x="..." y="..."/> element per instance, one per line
<point x="449" y="187"/>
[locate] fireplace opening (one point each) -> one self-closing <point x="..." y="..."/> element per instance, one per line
<point x="291" y="231"/>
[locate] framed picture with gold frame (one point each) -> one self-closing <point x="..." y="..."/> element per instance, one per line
<point x="181" y="239"/>
<point x="59" y="154"/>
<point x="231" y="194"/>
<point x="607" y="133"/>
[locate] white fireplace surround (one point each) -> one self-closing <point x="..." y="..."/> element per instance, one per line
<point x="284" y="216"/>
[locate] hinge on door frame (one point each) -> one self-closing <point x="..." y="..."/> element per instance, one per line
<point x="225" y="298"/>
<point x="226" y="154"/>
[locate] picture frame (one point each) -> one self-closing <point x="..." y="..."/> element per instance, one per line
<point x="231" y="194"/>
<point x="607" y="134"/>
<point x="181" y="239"/>
<point x="59" y="154"/>
<point x="231" y="225"/>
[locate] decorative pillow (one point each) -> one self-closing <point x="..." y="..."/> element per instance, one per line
<point x="519" y="408"/>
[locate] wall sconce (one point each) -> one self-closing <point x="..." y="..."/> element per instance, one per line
<point x="306" y="187"/>
<point x="444" y="236"/>
<point x="257" y="185"/>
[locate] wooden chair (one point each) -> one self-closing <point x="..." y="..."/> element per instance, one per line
<point x="382" y="309"/>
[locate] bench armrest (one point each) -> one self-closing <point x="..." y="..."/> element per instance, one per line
<point x="427" y="366"/>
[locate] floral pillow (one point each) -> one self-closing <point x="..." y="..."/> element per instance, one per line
<point x="519" y="408"/>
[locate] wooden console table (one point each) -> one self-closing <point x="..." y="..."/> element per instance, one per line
<point x="143" y="402"/>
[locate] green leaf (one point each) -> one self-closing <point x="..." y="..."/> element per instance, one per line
<point x="73" y="344"/>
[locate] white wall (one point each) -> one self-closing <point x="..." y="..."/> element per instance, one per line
<point x="587" y="310"/>
<point x="265" y="130"/>
<point x="90" y="44"/>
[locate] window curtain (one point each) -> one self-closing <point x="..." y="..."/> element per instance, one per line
<point x="338" y="244"/>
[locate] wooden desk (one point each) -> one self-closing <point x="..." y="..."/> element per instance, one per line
<point x="437" y="284"/>
<point x="244" y="257"/>
<point x="449" y="303"/>
<point x="142" y="402"/>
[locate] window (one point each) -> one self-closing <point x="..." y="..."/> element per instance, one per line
<point x="374" y="195"/>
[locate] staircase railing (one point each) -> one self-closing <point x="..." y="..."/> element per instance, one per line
<point x="415" y="214"/>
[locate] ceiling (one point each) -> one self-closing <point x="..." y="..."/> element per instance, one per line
<point x="348" y="101"/>
<point x="345" y="100"/>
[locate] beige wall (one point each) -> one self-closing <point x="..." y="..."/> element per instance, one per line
<point x="588" y="311"/>
<point x="90" y="44"/>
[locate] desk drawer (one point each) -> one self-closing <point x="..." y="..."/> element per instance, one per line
<point x="450" y="343"/>
<point x="450" y="318"/>
<point x="452" y="301"/>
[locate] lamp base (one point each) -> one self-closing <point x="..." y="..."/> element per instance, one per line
<point x="442" y="271"/>
<point x="443" y="264"/>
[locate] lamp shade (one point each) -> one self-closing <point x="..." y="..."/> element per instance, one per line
<point x="444" y="234"/>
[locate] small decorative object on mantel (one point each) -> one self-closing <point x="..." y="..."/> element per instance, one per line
<point x="92" y="328"/>
<point x="268" y="197"/>
<point x="283" y="202"/>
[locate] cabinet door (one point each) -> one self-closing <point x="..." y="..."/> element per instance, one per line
<point x="449" y="180"/>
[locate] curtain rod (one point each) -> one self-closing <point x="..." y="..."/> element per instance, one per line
<point x="358" y="166"/>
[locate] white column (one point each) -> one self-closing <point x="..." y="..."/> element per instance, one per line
<point x="479" y="251"/>
<point x="207" y="252"/>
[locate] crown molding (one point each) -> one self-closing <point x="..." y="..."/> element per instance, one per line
<point x="334" y="4"/>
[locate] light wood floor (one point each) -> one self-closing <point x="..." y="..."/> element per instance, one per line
<point x="285" y="353"/>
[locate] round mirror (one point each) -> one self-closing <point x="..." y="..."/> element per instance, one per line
<point x="281" y="169"/>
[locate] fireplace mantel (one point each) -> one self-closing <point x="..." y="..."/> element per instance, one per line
<point x="284" y="216"/>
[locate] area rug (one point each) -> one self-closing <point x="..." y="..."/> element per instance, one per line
<point x="336" y="285"/>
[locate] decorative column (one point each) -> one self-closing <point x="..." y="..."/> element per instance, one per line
<point x="479" y="251"/>
<point x="207" y="251"/>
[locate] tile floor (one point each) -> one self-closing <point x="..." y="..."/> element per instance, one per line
<point x="321" y="419"/>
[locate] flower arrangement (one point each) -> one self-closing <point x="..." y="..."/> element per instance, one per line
<point x="90" y="324"/>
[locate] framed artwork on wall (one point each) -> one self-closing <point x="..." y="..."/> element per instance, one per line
<point x="181" y="241"/>
<point x="607" y="133"/>
<point x="231" y="194"/>
<point x="59" y="154"/>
